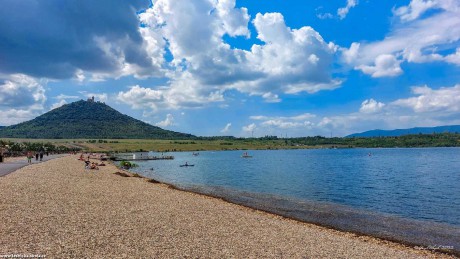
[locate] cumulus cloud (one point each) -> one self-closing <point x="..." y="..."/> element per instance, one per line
<point x="226" y="128"/>
<point x="21" y="91"/>
<point x="342" y="12"/>
<point x="204" y="66"/>
<point x="445" y="99"/>
<point x="424" y="108"/>
<point x="21" y="98"/>
<point x="371" y="106"/>
<point x="301" y="121"/>
<point x="62" y="38"/>
<point x="385" y="65"/>
<point x="168" y="121"/>
<point x="139" y="97"/>
<point x="181" y="96"/>
<point x="416" y="38"/>
<point x="427" y="107"/>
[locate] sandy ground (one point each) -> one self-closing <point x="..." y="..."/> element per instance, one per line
<point x="58" y="209"/>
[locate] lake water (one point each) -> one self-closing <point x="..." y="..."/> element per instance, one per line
<point x="408" y="195"/>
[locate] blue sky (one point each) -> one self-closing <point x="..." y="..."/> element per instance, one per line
<point x="242" y="68"/>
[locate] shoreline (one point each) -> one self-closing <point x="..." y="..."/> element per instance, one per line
<point x="435" y="248"/>
<point x="128" y="216"/>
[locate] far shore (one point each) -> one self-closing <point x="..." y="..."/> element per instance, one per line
<point x="60" y="209"/>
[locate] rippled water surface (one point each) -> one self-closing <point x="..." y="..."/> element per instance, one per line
<point x="422" y="185"/>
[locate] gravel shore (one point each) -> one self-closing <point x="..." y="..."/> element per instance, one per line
<point x="60" y="210"/>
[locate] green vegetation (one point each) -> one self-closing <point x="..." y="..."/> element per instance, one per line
<point x="231" y="143"/>
<point x="84" y="119"/>
<point x="419" y="140"/>
<point x="17" y="148"/>
<point x="127" y="164"/>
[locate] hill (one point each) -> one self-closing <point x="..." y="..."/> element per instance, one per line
<point x="87" y="119"/>
<point x="411" y="131"/>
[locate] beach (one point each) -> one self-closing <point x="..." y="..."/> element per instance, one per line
<point x="60" y="210"/>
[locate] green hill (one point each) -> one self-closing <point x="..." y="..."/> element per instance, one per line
<point x="87" y="119"/>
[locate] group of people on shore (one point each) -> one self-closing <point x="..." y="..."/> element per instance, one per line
<point x="89" y="164"/>
<point x="38" y="155"/>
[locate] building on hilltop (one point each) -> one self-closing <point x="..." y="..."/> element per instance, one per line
<point x="91" y="100"/>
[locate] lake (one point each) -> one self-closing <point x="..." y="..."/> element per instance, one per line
<point x="410" y="195"/>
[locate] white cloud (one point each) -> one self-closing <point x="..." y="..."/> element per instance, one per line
<point x="429" y="107"/>
<point x="204" y="66"/>
<point x="417" y="38"/>
<point x="21" y="91"/>
<point x="249" y="128"/>
<point x="342" y="12"/>
<point x="181" y="94"/>
<point x="169" y="121"/>
<point x="271" y="98"/>
<point x="301" y="121"/>
<point x="371" y="106"/>
<point x="139" y="97"/>
<point x="58" y="104"/>
<point x="385" y="65"/>
<point x="454" y="58"/>
<point x="445" y="99"/>
<point x="234" y="21"/>
<point x="300" y="117"/>
<point x="226" y="128"/>
<point x="21" y="98"/>
<point x="102" y="97"/>
<point x="324" y="16"/>
<point x="350" y="55"/>
<point x="425" y="108"/>
<point x="415" y="9"/>
<point x="285" y="124"/>
<point x="62" y="99"/>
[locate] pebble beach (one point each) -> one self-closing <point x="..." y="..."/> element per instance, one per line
<point x="59" y="209"/>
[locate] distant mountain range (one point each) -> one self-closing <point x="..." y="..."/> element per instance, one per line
<point x="87" y="119"/>
<point x="401" y="132"/>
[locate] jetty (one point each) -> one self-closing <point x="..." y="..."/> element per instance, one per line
<point x="134" y="157"/>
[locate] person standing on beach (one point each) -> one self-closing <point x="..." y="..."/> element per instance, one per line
<point x="36" y="156"/>
<point x="29" y="157"/>
<point x="41" y="155"/>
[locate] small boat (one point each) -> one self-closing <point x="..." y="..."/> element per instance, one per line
<point x="195" y="154"/>
<point x="186" y="165"/>
<point x="245" y="155"/>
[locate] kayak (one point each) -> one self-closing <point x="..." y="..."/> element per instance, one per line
<point x="186" y="165"/>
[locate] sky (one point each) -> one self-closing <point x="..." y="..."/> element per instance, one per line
<point x="244" y="68"/>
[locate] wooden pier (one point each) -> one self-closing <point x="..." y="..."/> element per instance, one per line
<point x="141" y="158"/>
